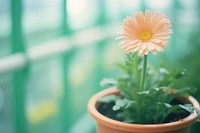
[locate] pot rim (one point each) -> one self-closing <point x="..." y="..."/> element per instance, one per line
<point x="192" y="118"/>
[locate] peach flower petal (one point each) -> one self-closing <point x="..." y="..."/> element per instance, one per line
<point x="146" y="32"/>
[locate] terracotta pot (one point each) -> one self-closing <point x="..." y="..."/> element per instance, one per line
<point x="107" y="125"/>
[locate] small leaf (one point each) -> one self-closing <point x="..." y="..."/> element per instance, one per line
<point x="158" y="88"/>
<point x="108" y="99"/>
<point x="108" y="81"/>
<point x="164" y="71"/>
<point x="122" y="67"/>
<point x="180" y="73"/>
<point x="198" y="113"/>
<point x="122" y="103"/>
<point x="187" y="107"/>
<point x="165" y="104"/>
<point x="172" y="76"/>
<point x="116" y="107"/>
<point x="143" y="92"/>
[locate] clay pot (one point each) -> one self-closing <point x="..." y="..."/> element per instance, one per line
<point x="107" y="125"/>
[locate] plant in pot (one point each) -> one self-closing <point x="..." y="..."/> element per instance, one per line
<point x="143" y="99"/>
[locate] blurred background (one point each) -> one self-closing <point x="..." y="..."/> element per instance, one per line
<point x="54" y="53"/>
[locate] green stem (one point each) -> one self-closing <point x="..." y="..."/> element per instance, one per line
<point x="144" y="69"/>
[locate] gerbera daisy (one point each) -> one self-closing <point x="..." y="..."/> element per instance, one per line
<point x="146" y="32"/>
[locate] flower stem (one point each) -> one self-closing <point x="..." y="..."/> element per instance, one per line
<point x="143" y="76"/>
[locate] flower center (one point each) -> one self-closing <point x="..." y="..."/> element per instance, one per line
<point x="145" y="35"/>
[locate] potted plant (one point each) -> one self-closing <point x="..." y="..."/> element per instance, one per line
<point x="143" y="100"/>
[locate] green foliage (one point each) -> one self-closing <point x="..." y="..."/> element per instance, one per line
<point x="153" y="104"/>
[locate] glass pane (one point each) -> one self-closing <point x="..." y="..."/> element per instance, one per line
<point x="42" y="20"/>
<point x="81" y="13"/>
<point x="6" y="105"/>
<point x="44" y="90"/>
<point x="5" y="24"/>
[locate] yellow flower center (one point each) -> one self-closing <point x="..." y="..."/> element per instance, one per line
<point x="145" y="35"/>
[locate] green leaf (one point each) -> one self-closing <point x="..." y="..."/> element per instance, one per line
<point x="122" y="103"/>
<point x="122" y="67"/>
<point x="198" y="113"/>
<point x="180" y="73"/>
<point x="187" y="107"/>
<point x="191" y="109"/>
<point x="108" y="99"/>
<point x="108" y="82"/>
<point x="165" y="104"/>
<point x="158" y="88"/>
<point x="171" y="77"/>
<point x="164" y="71"/>
<point x="151" y="91"/>
<point x="143" y="92"/>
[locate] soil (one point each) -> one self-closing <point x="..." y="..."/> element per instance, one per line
<point x="181" y="114"/>
<point x="106" y="110"/>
